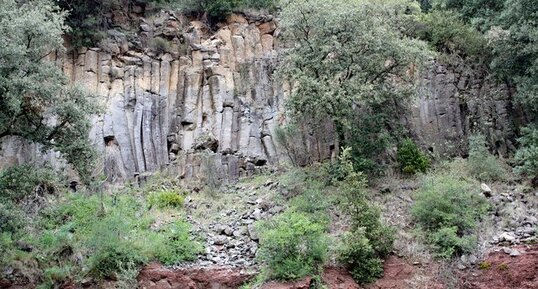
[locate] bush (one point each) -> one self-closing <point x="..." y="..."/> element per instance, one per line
<point x="450" y="35"/>
<point x="358" y="254"/>
<point x="481" y="163"/>
<point x="178" y="245"/>
<point x="447" y="243"/>
<point x="527" y="155"/>
<point x="447" y="210"/>
<point x="292" y="246"/>
<point x="369" y="239"/>
<point x="160" y="45"/>
<point x="411" y="159"/>
<point x="218" y="9"/>
<point x="11" y="218"/>
<point x="20" y="181"/>
<point x="166" y="199"/>
<point x="113" y="234"/>
<point x="114" y="247"/>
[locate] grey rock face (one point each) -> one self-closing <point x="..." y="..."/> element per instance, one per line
<point x="456" y="101"/>
<point x="215" y="92"/>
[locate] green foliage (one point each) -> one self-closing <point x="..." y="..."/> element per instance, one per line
<point x="511" y="28"/>
<point x="447" y="243"/>
<point x="217" y="10"/>
<point x="486" y="265"/>
<point x="448" y="34"/>
<point x="314" y="201"/>
<point x="527" y="155"/>
<point x="18" y="182"/>
<point x="179" y="245"/>
<point x="160" y="45"/>
<point x="292" y="246"/>
<point x="113" y="248"/>
<point x="102" y="236"/>
<point x="369" y="239"/>
<point x="358" y="254"/>
<point x="447" y="209"/>
<point x="87" y="20"/>
<point x="166" y="199"/>
<point x="480" y="13"/>
<point x="34" y="91"/>
<point x="343" y="62"/>
<point x="411" y="159"/>
<point x="11" y="217"/>
<point x="56" y="274"/>
<point x="481" y="163"/>
<point x="370" y="136"/>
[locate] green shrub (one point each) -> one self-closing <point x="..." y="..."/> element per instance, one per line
<point x="369" y="240"/>
<point x="411" y="159"/>
<point x="292" y="246"/>
<point x="527" y="155"/>
<point x="166" y="199"/>
<point x="447" y="210"/>
<point x="358" y="254"/>
<point x="314" y="201"/>
<point x="450" y="35"/>
<point x="160" y="45"/>
<point x="447" y="243"/>
<point x="11" y="218"/>
<point x="56" y="274"/>
<point x="113" y="234"/>
<point x="114" y="247"/>
<point x="481" y="163"/>
<point x="178" y="245"/>
<point x="20" y="181"/>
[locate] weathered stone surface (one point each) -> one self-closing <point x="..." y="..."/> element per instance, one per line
<point x="455" y="102"/>
<point x="221" y="84"/>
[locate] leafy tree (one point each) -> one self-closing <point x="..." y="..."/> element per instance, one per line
<point x="480" y="13"/>
<point x="37" y="102"/>
<point x="450" y="35"/>
<point x="350" y="58"/>
<point x="516" y="54"/>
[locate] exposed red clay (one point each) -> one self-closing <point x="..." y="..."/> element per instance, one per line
<point x="501" y="271"/>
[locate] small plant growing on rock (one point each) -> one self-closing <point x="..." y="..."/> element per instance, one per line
<point x="292" y="246"/>
<point x="160" y="45"/>
<point x="411" y="159"/>
<point x="486" y="265"/>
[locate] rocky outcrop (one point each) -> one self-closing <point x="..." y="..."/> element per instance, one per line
<point x="455" y="101"/>
<point x="186" y="90"/>
<point x="173" y="87"/>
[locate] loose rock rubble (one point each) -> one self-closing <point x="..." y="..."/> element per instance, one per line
<point x="232" y="239"/>
<point x="515" y="217"/>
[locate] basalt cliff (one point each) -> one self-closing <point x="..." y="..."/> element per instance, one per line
<point x="178" y="93"/>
